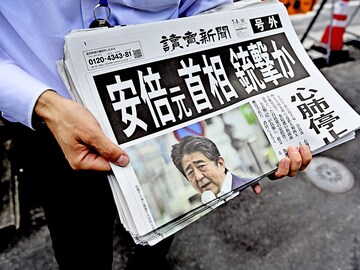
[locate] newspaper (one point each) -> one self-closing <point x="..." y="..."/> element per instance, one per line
<point x="238" y="77"/>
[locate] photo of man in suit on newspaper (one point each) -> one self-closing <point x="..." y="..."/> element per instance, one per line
<point x="199" y="160"/>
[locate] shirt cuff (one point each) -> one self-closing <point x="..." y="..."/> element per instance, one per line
<point x="19" y="93"/>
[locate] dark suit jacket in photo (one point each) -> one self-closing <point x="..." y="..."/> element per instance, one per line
<point x="238" y="181"/>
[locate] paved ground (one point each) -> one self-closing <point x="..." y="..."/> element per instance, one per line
<point x="291" y="225"/>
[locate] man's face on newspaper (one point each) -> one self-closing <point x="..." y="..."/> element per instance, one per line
<point x="203" y="173"/>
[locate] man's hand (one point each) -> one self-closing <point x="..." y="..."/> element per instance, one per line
<point x="78" y="133"/>
<point x="298" y="160"/>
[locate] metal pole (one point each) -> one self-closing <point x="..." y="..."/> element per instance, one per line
<point x="350" y="20"/>
<point x="328" y="44"/>
<point x="313" y="20"/>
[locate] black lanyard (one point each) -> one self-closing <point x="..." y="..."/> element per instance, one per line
<point x="102" y="13"/>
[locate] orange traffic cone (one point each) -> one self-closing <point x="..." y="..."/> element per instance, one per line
<point x="339" y="21"/>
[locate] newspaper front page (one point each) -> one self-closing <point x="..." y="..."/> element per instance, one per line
<point x="239" y="78"/>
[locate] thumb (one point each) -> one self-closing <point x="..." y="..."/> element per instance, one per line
<point x="113" y="153"/>
<point x="256" y="187"/>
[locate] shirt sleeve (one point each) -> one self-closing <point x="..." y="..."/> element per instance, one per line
<point x="19" y="91"/>
<point x="193" y="7"/>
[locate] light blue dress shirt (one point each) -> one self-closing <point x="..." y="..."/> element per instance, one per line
<point x="32" y="38"/>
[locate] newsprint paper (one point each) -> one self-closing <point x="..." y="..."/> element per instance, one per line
<point x="238" y="77"/>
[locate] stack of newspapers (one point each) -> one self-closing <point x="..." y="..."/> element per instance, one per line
<point x="205" y="107"/>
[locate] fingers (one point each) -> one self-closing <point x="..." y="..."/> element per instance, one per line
<point x="92" y="150"/>
<point x="282" y="170"/>
<point x="111" y="152"/>
<point x="256" y="188"/>
<point x="306" y="156"/>
<point x="91" y="161"/>
<point x="297" y="160"/>
<point x="114" y="154"/>
<point x="85" y="158"/>
<point x="79" y="134"/>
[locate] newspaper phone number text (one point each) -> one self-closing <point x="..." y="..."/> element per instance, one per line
<point x="111" y="57"/>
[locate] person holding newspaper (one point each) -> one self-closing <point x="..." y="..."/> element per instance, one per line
<point x="62" y="137"/>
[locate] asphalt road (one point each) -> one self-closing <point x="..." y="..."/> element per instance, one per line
<point x="292" y="225"/>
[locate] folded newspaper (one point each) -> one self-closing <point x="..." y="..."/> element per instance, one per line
<point x="205" y="107"/>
